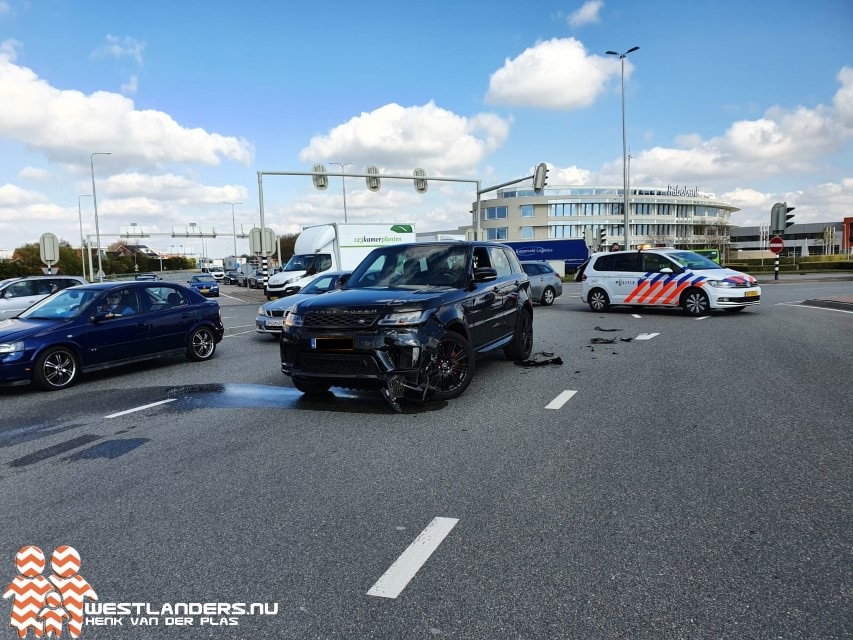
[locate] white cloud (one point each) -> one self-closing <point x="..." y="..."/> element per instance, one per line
<point x="61" y="123"/>
<point x="131" y="86"/>
<point x="13" y="196"/>
<point x="33" y="173"/>
<point x="554" y="74"/>
<point x="116" y="47"/>
<point x="401" y="138"/>
<point x="587" y="14"/>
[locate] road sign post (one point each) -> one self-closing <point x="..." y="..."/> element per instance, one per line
<point x="776" y="245"/>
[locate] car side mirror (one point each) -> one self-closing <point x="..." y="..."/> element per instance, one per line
<point x="666" y="270"/>
<point x="485" y="274"/>
<point x="343" y="280"/>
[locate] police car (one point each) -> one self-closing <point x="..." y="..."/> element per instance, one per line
<point x="665" y="277"/>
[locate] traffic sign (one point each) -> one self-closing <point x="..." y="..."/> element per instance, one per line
<point x="776" y="245"/>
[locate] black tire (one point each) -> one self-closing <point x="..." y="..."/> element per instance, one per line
<point x="201" y="344"/>
<point x="522" y="338"/>
<point x="310" y="388"/>
<point x="598" y="300"/>
<point x="453" y="368"/>
<point x="56" y="369"/>
<point x="695" y="302"/>
<point x="548" y="297"/>
<point x="735" y="309"/>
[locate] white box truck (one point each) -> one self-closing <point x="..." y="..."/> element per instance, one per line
<point x="335" y="246"/>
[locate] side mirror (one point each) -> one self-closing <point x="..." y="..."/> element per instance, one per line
<point x="666" y="270"/>
<point x="485" y="274"/>
<point x="343" y="280"/>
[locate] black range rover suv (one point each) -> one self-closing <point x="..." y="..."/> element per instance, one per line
<point x="410" y="321"/>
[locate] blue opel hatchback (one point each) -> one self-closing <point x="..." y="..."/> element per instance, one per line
<point x="96" y="326"/>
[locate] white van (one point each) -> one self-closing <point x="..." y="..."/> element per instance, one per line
<point x="665" y="277"/>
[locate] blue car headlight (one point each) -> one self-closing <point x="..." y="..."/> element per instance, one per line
<point x="11" y="351"/>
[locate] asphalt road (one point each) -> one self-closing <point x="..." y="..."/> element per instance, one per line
<point x="696" y="484"/>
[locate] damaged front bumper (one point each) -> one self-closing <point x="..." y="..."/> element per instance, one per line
<point x="395" y="361"/>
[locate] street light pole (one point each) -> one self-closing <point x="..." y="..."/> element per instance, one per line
<point x="343" y="166"/>
<point x="234" y="225"/>
<point x="95" y="201"/>
<point x="622" y="57"/>
<point x="80" y="216"/>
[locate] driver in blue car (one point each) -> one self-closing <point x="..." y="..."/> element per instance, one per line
<point x="112" y="307"/>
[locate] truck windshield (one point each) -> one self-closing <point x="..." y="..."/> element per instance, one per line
<point x="305" y="261"/>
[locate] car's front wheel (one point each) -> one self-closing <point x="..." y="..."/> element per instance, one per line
<point x="310" y="388"/>
<point x="452" y="368"/>
<point x="201" y="344"/>
<point x="695" y="302"/>
<point x="56" y="368"/>
<point x="548" y="296"/>
<point x="598" y="300"/>
<point x="522" y="338"/>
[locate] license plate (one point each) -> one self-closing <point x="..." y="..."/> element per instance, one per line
<point x="205" y="290"/>
<point x="332" y="344"/>
<point x="751" y="294"/>
<point x="275" y="322"/>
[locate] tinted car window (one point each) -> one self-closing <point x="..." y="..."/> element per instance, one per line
<point x="617" y="262"/>
<point x="500" y="262"/>
<point x="654" y="262"/>
<point x="19" y="289"/>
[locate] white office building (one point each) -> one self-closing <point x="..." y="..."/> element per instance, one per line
<point x="675" y="215"/>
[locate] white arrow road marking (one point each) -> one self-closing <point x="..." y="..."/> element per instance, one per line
<point x="702" y="318"/>
<point x="145" y="406"/>
<point x="646" y="336"/>
<point x="560" y="400"/>
<point x="399" y="574"/>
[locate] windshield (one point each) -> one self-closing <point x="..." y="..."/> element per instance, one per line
<point x="411" y="266"/>
<point x="206" y="278"/>
<point x="299" y="262"/>
<point x="692" y="260"/>
<point x="67" y="303"/>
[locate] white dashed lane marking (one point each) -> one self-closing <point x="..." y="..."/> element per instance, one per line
<point x="399" y="574"/>
<point x="561" y="399"/>
<point x="646" y="336"/>
<point x="143" y="407"/>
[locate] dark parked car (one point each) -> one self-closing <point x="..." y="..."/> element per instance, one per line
<point x="255" y="280"/>
<point x="205" y="284"/>
<point x="147" y="277"/>
<point x="78" y="330"/>
<point x="410" y="320"/>
<point x="241" y="279"/>
<point x="231" y="276"/>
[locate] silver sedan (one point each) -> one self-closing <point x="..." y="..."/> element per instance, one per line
<point x="545" y="283"/>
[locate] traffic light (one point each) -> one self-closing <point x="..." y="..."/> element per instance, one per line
<point x="602" y="237"/>
<point x="321" y="181"/>
<point x="781" y="217"/>
<point x="588" y="237"/>
<point x="540" y="177"/>
<point x="420" y="183"/>
<point x="373" y="180"/>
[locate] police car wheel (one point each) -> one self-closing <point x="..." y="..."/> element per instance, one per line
<point x="695" y="303"/>
<point x="598" y="300"/>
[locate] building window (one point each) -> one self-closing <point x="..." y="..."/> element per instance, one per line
<point x="493" y="213"/>
<point x="527" y="211"/>
<point x="499" y="233"/>
<point x="526" y="233"/>
<point x="562" y="231"/>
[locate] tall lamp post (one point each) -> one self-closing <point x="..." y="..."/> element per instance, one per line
<point x="95" y="201"/>
<point x="622" y="57"/>
<point x="80" y="216"/>
<point x="234" y="225"/>
<point x="343" y="166"/>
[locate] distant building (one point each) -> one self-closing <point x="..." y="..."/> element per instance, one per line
<point x="808" y="239"/>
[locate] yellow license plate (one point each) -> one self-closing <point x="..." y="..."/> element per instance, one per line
<point x="751" y="294"/>
<point x="205" y="290"/>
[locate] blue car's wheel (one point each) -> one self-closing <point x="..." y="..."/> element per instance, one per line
<point x="56" y="369"/>
<point x="201" y="344"/>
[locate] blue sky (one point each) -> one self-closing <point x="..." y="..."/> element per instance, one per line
<point x="750" y="100"/>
